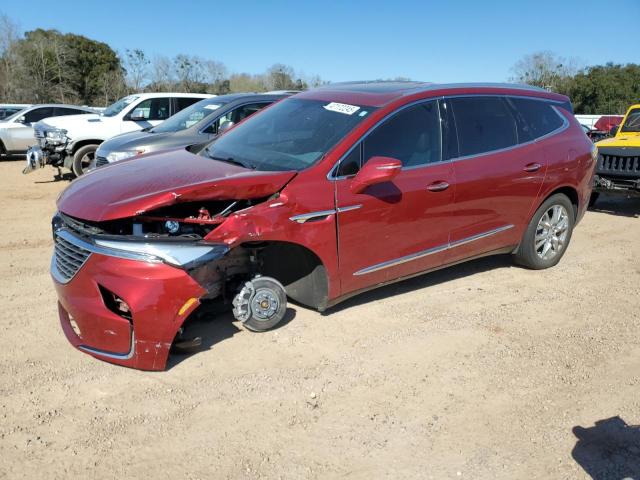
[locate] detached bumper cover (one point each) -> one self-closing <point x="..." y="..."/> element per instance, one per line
<point x="154" y="292"/>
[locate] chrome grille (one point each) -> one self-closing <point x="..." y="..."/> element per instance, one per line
<point x="101" y="162"/>
<point x="68" y="257"/>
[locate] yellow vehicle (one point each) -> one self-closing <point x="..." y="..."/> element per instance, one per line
<point x="618" y="168"/>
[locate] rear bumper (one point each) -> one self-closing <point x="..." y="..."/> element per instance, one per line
<point x="156" y="294"/>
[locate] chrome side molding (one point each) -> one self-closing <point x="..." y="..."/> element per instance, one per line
<point x="305" y="217"/>
<point x="431" y="251"/>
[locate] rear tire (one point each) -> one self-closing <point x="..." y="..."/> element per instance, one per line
<point x="83" y="159"/>
<point x="548" y="234"/>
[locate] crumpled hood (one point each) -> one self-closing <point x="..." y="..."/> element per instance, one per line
<point x="151" y="181"/>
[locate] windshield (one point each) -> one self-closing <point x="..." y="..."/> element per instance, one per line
<point x="115" y="108"/>
<point x="188" y="117"/>
<point x="290" y="135"/>
<point x="632" y="124"/>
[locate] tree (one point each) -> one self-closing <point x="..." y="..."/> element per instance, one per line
<point x="605" y="89"/>
<point x="544" y="69"/>
<point x="280" y="77"/>
<point x="137" y="68"/>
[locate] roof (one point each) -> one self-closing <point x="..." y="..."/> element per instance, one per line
<point x="379" y="93"/>
<point x="171" y="94"/>
<point x="232" y="97"/>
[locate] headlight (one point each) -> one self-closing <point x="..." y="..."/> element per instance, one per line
<point x="178" y="254"/>
<point x="117" y="156"/>
<point x="56" y="136"/>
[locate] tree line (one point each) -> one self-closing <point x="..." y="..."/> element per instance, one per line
<point x="596" y="89"/>
<point x="47" y="66"/>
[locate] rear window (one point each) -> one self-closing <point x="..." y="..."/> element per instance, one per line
<point x="484" y="124"/>
<point x="539" y="117"/>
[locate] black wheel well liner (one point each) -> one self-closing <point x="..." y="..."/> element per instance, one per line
<point x="298" y="268"/>
<point x="2" y="147"/>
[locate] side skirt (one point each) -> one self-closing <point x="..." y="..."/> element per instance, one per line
<point x="342" y="298"/>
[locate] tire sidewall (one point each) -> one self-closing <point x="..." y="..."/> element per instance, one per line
<point x="527" y="254"/>
<point x="78" y="156"/>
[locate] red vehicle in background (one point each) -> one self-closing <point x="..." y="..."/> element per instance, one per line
<point x="321" y="196"/>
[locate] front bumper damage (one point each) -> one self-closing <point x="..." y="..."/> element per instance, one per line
<point x="158" y="298"/>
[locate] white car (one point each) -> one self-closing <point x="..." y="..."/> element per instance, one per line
<point x="16" y="131"/>
<point x="72" y="141"/>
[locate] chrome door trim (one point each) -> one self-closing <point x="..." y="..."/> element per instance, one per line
<point x="431" y="251"/>
<point x="304" y="217"/>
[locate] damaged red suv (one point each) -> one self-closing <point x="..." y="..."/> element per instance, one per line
<point x="319" y="197"/>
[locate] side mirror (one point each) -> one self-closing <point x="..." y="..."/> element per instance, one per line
<point x="614" y="130"/>
<point x="137" y="115"/>
<point x="22" y="119"/>
<point x="225" y="126"/>
<point x="376" y="170"/>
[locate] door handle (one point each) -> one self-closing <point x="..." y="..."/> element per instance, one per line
<point x="532" y="167"/>
<point x="438" y="186"/>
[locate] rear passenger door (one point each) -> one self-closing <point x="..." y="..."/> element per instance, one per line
<point x="499" y="173"/>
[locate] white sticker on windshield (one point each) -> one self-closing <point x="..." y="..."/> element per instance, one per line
<point x="213" y="106"/>
<point x="342" y="108"/>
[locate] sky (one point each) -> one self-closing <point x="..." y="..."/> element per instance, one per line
<point x="438" y="41"/>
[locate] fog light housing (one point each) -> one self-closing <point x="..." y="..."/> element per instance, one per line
<point x="115" y="303"/>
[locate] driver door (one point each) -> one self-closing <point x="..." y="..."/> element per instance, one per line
<point x="400" y="227"/>
<point x="146" y="114"/>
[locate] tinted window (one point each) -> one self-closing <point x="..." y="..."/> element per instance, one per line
<point x="184" y="102"/>
<point x="350" y="164"/>
<point x="38" y="114"/>
<point x="411" y="136"/>
<point x="235" y="116"/>
<point x="69" y="111"/>
<point x="291" y="135"/>
<point x="632" y="123"/>
<point x="152" y="109"/>
<point x="484" y="124"/>
<point x="539" y="117"/>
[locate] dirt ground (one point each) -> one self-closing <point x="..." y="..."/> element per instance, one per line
<point x="483" y="370"/>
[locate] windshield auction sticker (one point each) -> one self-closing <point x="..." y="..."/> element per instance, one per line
<point x="342" y="108"/>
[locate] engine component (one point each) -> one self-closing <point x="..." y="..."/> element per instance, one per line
<point x="261" y="304"/>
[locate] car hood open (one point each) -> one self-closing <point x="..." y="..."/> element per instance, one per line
<point x="135" y="186"/>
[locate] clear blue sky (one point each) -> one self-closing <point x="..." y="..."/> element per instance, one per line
<point x="441" y="41"/>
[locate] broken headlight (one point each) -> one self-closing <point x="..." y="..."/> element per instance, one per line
<point x="180" y="254"/>
<point x="56" y="136"/>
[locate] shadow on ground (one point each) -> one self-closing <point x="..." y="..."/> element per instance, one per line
<point x="214" y="324"/>
<point x="617" y="205"/>
<point x="426" y="280"/>
<point x="610" y="450"/>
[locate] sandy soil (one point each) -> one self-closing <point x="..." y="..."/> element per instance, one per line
<point x="484" y="370"/>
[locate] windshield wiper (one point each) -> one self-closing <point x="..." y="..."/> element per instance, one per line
<point x="231" y="160"/>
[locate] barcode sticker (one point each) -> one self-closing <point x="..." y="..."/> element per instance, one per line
<point x="342" y="108"/>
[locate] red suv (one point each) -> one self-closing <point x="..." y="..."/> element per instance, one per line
<point x="318" y="197"/>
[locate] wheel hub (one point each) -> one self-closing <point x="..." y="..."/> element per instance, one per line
<point x="551" y="233"/>
<point x="264" y="303"/>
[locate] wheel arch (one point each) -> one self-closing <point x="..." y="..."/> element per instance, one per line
<point x="570" y="192"/>
<point x="298" y="268"/>
<point x="83" y="143"/>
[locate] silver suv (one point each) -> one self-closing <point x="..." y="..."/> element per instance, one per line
<point x="16" y="131"/>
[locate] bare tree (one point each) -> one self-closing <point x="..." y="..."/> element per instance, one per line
<point x="544" y="69"/>
<point x="137" y="67"/>
<point x="162" y="76"/>
<point x="190" y="72"/>
<point x="280" y="77"/>
<point x="8" y="40"/>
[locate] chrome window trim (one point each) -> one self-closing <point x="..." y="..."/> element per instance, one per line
<point x="562" y="128"/>
<point x="431" y="251"/>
